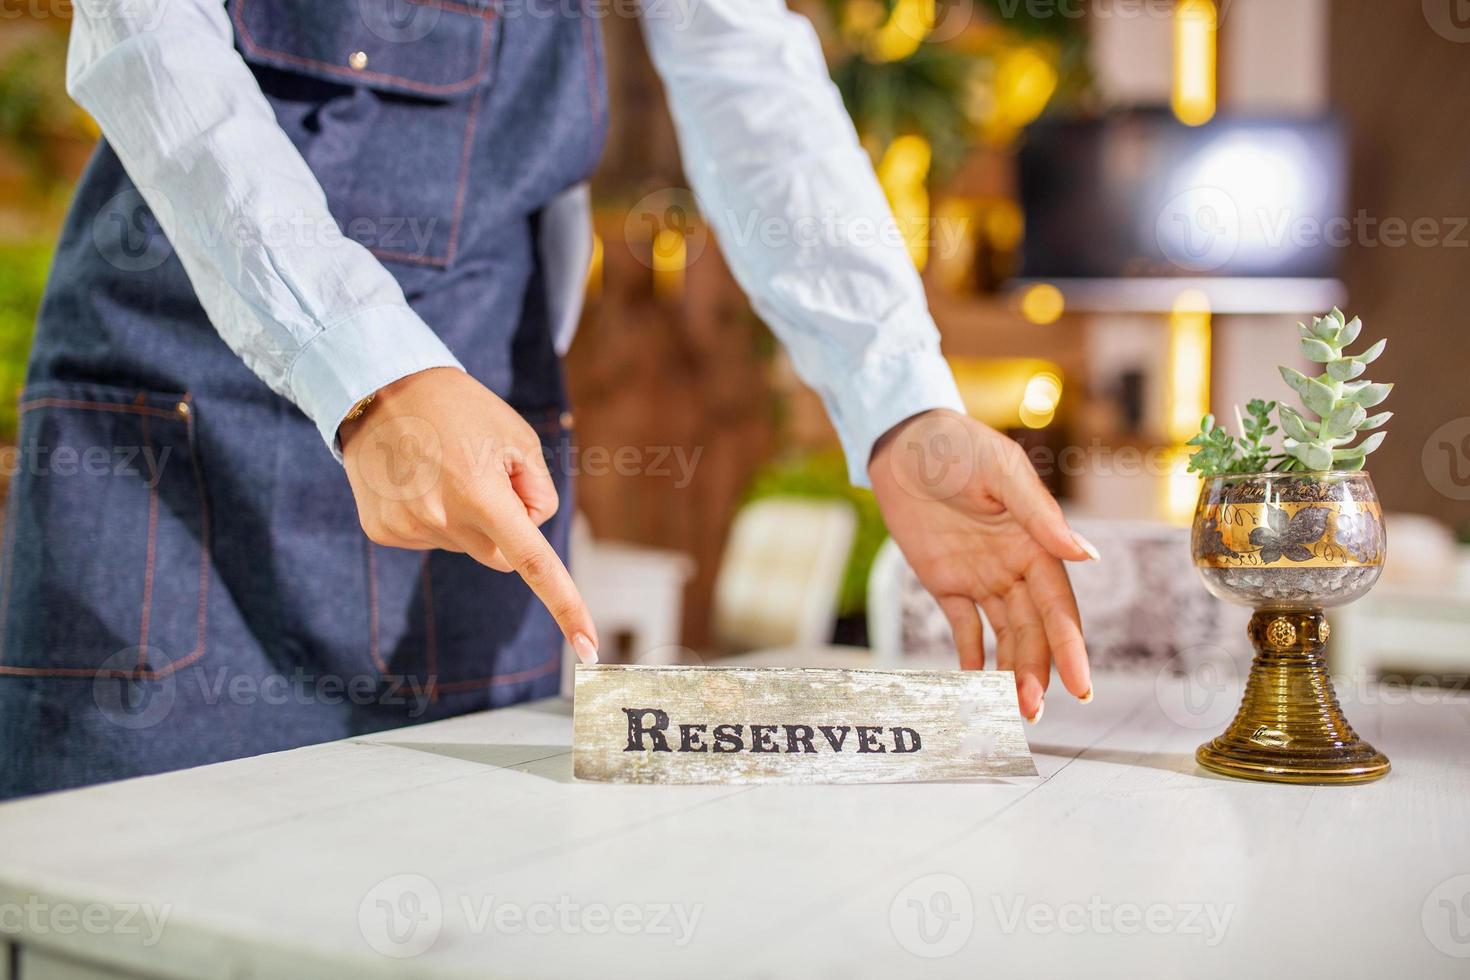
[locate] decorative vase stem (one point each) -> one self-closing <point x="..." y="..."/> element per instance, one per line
<point x="1289" y="727"/>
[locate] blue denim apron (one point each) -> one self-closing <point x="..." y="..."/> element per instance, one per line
<point x="183" y="578"/>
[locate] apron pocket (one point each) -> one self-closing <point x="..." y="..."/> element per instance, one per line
<point x="105" y="565"/>
<point x="380" y="97"/>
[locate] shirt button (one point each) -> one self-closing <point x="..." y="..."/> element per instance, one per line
<point x="566" y="420"/>
<point x="358" y="60"/>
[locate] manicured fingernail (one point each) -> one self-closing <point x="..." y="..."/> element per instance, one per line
<point x="1086" y="698"/>
<point x="1040" y="707"/>
<point x="586" y="652"/>
<point x="1086" y="546"/>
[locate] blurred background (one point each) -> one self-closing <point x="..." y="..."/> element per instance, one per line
<point x="1119" y="208"/>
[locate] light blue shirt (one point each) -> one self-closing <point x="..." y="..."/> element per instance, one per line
<point x="766" y="142"/>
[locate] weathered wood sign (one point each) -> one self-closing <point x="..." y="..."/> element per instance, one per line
<point x="794" y="725"/>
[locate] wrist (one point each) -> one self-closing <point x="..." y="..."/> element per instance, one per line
<point x="375" y="404"/>
<point x="883" y="442"/>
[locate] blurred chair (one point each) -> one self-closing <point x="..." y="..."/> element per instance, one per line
<point x="781" y="573"/>
<point x="1142" y="605"/>
<point x="632" y="591"/>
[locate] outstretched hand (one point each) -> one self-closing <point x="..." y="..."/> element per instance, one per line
<point x="979" y="528"/>
<point x="439" y="461"/>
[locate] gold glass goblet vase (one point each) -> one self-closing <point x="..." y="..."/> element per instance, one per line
<point x="1290" y="545"/>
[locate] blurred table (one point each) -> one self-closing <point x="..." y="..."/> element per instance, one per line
<point x="465" y="849"/>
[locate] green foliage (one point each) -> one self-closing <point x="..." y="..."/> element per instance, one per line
<point x="1217" y="452"/>
<point x="1321" y="438"/>
<point x="22" y="279"/>
<point x="929" y="92"/>
<point x="824" y="476"/>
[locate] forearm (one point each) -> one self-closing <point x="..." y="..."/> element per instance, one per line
<point x="792" y="197"/>
<point x="316" y="317"/>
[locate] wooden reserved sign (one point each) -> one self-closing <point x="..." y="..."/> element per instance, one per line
<point x="794" y="725"/>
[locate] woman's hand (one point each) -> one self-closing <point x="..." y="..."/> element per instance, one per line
<point x="978" y="527"/>
<point x="438" y="461"/>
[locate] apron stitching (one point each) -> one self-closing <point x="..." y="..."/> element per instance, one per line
<point x="432" y="651"/>
<point x="464" y="158"/>
<point x="205" y="552"/>
<point x="5" y="566"/>
<point x="359" y="75"/>
<point x="373" y="653"/>
<point x="131" y="409"/>
<point x="151" y="551"/>
<point x="530" y="673"/>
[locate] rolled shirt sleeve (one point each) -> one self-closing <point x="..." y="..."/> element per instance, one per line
<point x="792" y="198"/>
<point x="320" y="320"/>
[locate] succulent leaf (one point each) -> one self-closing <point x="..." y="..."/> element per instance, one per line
<point x="1294" y="378"/>
<point x="1371" y="443"/>
<point x="1345" y="369"/>
<point x="1374" y="421"/>
<point x="1343" y="420"/>
<point x="1370" y="394"/>
<point x="1350" y="331"/>
<point x="1371" y="354"/>
<point x="1316" y="350"/>
<point x="1320" y="398"/>
<point x="1294" y="425"/>
<point x="1312" y="455"/>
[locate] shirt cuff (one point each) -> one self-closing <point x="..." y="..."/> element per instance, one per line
<point x="350" y="360"/>
<point x="887" y="390"/>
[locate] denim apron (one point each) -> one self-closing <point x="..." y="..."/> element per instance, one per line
<point x="183" y="578"/>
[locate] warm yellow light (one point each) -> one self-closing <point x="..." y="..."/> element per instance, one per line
<point x="903" y="32"/>
<point x="1189" y="364"/>
<point x="594" y="267"/>
<point x="904" y="174"/>
<point x="1193" y="98"/>
<point x="1004" y="225"/>
<point x="1181" y="490"/>
<point x="1042" y="304"/>
<point x="1039" y="400"/>
<point x="1024" y="83"/>
<point x="669" y="254"/>
<point x="996" y="389"/>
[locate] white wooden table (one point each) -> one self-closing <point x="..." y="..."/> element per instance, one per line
<point x="464" y="848"/>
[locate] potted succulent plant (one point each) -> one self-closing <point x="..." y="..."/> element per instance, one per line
<point x="1290" y="532"/>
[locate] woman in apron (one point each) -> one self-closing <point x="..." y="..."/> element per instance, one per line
<point x="328" y="231"/>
